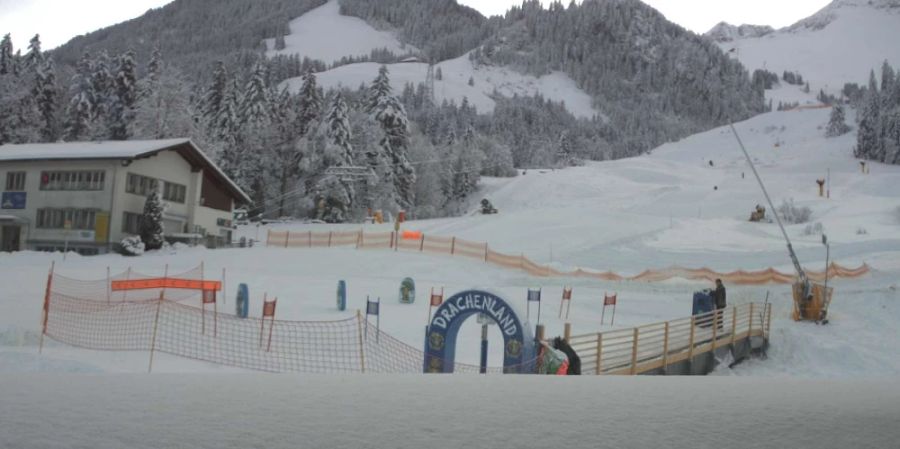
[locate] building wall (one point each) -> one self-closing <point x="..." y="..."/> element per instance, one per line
<point x="179" y="218"/>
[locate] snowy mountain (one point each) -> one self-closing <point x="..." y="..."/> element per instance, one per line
<point x="839" y="44"/>
<point x="726" y="32"/>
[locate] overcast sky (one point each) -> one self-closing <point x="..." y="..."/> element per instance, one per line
<point x="60" y="20"/>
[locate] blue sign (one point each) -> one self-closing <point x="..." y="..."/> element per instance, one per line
<point x="13" y="200"/>
<point x="440" y="345"/>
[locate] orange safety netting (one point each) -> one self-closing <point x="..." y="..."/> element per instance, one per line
<point x="88" y="314"/>
<point x="476" y="250"/>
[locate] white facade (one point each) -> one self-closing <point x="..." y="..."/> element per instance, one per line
<point x="99" y="199"/>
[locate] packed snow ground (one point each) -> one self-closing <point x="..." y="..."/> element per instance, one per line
<point x="262" y="411"/>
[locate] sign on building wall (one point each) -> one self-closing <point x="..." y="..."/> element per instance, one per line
<point x="101" y="227"/>
<point x="13" y="200"/>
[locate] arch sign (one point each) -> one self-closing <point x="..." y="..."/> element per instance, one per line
<point x="440" y="344"/>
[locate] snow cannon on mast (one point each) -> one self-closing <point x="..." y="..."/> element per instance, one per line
<point x="810" y="300"/>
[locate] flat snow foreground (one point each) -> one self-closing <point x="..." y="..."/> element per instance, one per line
<point x="443" y="411"/>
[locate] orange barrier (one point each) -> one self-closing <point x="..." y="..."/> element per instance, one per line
<point x="454" y="246"/>
<point x="145" y="284"/>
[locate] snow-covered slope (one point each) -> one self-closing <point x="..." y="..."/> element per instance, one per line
<point x="326" y="35"/>
<point x="454" y="83"/>
<point x="839" y="44"/>
<point x="725" y="32"/>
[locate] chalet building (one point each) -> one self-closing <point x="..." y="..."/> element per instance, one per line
<point x="88" y="196"/>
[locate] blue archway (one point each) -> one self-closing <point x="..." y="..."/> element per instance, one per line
<point x="440" y="341"/>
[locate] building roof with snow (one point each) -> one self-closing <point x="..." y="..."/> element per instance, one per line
<point x="127" y="150"/>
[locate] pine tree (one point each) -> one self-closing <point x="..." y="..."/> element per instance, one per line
<point x="380" y="88"/>
<point x="310" y="103"/>
<point x="163" y="108"/>
<point x="6" y="55"/>
<point x="80" y="111"/>
<point x="391" y="115"/>
<point x="46" y="97"/>
<point x="103" y="88"/>
<point x="256" y="107"/>
<point x="151" y="224"/>
<point x="887" y="77"/>
<point x="867" y="139"/>
<point x="837" y="124"/>
<point x="564" y="155"/>
<point x="215" y="94"/>
<point x="121" y="113"/>
<point x="34" y="58"/>
<point x="337" y="194"/>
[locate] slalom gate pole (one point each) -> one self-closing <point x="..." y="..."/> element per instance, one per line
<point x="108" y="285"/>
<point x="155" y="330"/>
<point x="362" y="353"/>
<point x="45" y="312"/>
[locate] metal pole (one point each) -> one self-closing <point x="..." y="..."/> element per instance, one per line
<point x="790" y="247"/>
<point x="484" y="349"/>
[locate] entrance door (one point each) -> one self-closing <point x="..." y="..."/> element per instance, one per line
<point x="10" y="240"/>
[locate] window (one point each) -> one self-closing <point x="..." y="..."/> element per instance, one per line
<point x="143" y="185"/>
<point x="84" y="251"/>
<point x="80" y="219"/>
<point x="15" y="181"/>
<point x="174" y="192"/>
<point x="131" y="223"/>
<point x="73" y="180"/>
<point x="140" y="185"/>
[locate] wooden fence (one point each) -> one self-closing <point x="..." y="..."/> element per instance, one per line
<point x="657" y="346"/>
<point x="477" y="250"/>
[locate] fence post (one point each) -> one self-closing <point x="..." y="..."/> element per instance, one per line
<point x="715" y="327"/>
<point x="287" y="238"/>
<point x="634" y="349"/>
<point x="768" y="321"/>
<point x="733" y="325"/>
<point x="329" y="238"/>
<point x="599" y="353"/>
<point x="362" y="353"/>
<point x="309" y="237"/>
<point x="691" y="341"/>
<point x="453" y="246"/>
<point x="268" y="237"/>
<point x="155" y="330"/>
<point x="392" y="239"/>
<point x="359" y="239"/>
<point x="666" y="349"/>
<point x="422" y="243"/>
<point x="108" y="285"/>
<point x="485" y="252"/>
<point x="750" y="326"/>
<point x="567" y="332"/>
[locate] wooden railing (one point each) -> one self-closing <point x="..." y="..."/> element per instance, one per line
<point x="454" y="246"/>
<point x="656" y="346"/>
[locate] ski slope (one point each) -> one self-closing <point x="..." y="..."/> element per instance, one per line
<point x="839" y="44"/>
<point x="326" y="35"/>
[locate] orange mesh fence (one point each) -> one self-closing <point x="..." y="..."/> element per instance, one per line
<point x="185" y="330"/>
<point x="476" y="250"/>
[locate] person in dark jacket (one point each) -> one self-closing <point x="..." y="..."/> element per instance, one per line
<point x="719" y="295"/>
<point x="574" y="360"/>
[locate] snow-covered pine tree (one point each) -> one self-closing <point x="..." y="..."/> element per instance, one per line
<point x="391" y="115"/>
<point x="214" y="97"/>
<point x="255" y="117"/>
<point x="102" y="85"/>
<point x="564" y="156"/>
<point x="124" y="99"/>
<point x="6" y="55"/>
<point x="163" y="108"/>
<point x="34" y="58"/>
<point x="380" y="88"/>
<point x="46" y="97"/>
<point x="310" y="102"/>
<point x="81" y="106"/>
<point x="837" y="124"/>
<point x="338" y="194"/>
<point x="867" y="139"/>
<point x="151" y="224"/>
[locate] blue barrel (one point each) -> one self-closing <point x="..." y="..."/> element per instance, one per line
<point x="242" y="305"/>
<point x="342" y="296"/>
